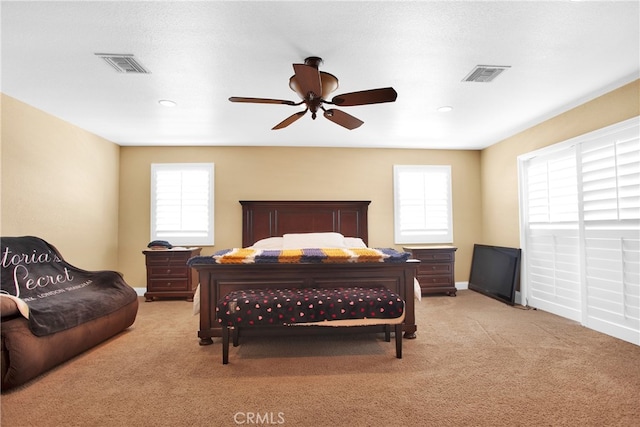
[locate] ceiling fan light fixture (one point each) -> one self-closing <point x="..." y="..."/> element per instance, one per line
<point x="329" y="85"/>
<point x="445" y="109"/>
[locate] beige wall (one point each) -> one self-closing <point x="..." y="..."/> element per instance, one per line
<point x="278" y="173"/>
<point x="499" y="172"/>
<point x="59" y="183"/>
<point x="63" y="184"/>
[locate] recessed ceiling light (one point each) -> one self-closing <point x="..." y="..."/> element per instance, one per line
<point x="167" y="103"/>
<point x="445" y="109"/>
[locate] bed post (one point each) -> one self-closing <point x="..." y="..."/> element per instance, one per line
<point x="205" y="309"/>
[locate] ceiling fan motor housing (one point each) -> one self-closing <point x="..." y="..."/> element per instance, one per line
<point x="313" y="61"/>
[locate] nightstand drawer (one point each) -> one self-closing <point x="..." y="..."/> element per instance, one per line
<point x="434" y="269"/>
<point x="168" y="285"/>
<point x="167" y="259"/>
<point x="426" y="256"/>
<point x="168" y="271"/>
<point x="434" y="280"/>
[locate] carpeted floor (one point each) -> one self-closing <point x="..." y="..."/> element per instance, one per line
<point x="476" y="362"/>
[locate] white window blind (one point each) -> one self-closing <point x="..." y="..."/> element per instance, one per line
<point x="580" y="218"/>
<point x="552" y="235"/>
<point x="182" y="203"/>
<point x="611" y="202"/>
<point x="422" y="204"/>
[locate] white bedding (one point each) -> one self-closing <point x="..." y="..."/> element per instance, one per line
<point x="309" y="240"/>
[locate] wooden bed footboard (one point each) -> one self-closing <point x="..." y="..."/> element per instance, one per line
<point x="216" y="280"/>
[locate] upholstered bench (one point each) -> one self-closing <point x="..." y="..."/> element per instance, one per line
<point x="335" y="307"/>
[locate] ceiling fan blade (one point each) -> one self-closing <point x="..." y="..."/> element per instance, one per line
<point x="343" y="119"/>
<point x="262" y="100"/>
<point x="373" y="96"/>
<point x="308" y="79"/>
<point x="292" y="118"/>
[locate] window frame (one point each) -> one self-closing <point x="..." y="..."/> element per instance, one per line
<point x="424" y="235"/>
<point x="601" y="245"/>
<point x="186" y="239"/>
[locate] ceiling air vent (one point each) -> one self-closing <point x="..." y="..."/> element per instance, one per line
<point x="485" y="73"/>
<point x="124" y="63"/>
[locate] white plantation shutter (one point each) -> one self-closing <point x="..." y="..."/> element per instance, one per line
<point x="422" y="204"/>
<point x="581" y="229"/>
<point x="182" y="203"/>
<point x="611" y="194"/>
<point x="552" y="235"/>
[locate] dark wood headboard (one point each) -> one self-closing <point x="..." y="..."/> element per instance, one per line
<point x="262" y="219"/>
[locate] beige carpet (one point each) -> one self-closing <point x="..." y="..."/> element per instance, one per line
<point x="476" y="362"/>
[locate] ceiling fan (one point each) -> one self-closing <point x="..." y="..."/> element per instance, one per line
<point x="314" y="86"/>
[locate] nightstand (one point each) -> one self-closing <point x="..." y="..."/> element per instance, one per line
<point x="168" y="275"/>
<point x="436" y="270"/>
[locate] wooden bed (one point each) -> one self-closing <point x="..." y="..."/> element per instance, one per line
<point x="263" y="219"/>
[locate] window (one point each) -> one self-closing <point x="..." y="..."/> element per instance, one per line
<point x="182" y="203"/>
<point x="553" y="247"/>
<point x="422" y="204"/>
<point x="580" y="219"/>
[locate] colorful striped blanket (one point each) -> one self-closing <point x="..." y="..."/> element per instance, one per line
<point x="295" y="256"/>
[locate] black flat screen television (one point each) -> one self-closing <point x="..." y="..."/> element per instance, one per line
<point x="495" y="272"/>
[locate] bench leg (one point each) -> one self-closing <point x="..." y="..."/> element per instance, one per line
<point x="398" y="340"/>
<point x="225" y="345"/>
<point x="387" y="333"/>
<point x="236" y="335"/>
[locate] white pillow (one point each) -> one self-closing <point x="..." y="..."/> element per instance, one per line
<point x="268" y="243"/>
<point x="313" y="240"/>
<point x="354" y="242"/>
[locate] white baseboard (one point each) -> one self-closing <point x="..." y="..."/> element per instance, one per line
<point x="462" y="285"/>
<point x="140" y="291"/>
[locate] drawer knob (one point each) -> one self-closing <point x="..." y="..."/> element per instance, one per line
<point x="168" y="270"/>
<point x="433" y="268"/>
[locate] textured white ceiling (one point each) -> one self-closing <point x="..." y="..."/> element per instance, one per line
<point x="561" y="53"/>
